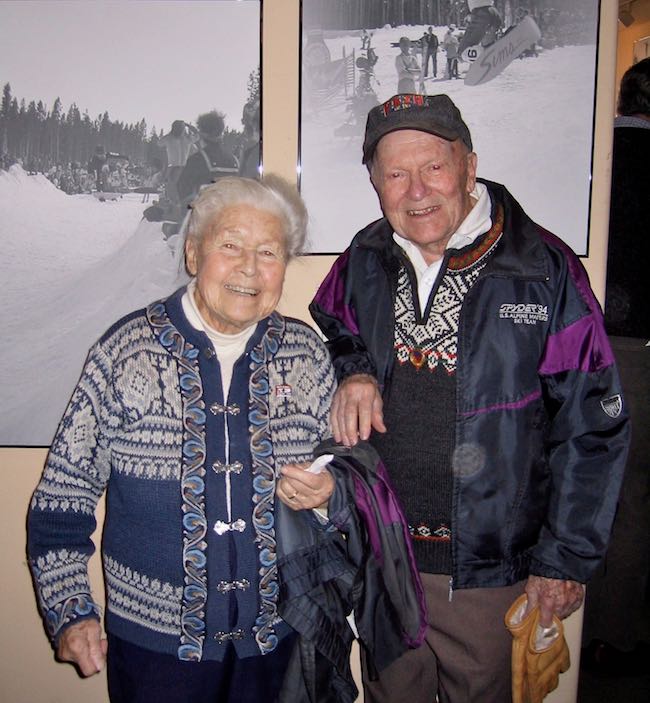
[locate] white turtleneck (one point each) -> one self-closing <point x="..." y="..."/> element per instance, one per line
<point x="477" y="222"/>
<point x="229" y="347"/>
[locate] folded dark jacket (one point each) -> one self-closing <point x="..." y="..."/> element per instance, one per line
<point x="360" y="562"/>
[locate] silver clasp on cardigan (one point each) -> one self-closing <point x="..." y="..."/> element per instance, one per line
<point x="220" y="468"/>
<point x="217" y="408"/>
<point x="221" y="527"/>
<point x="227" y="586"/>
<point x="223" y="637"/>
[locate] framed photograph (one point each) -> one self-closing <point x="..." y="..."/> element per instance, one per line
<point x="528" y="99"/>
<point x="111" y="115"/>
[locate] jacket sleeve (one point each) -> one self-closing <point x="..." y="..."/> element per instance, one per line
<point x="61" y="516"/>
<point x="588" y="437"/>
<point x="333" y="311"/>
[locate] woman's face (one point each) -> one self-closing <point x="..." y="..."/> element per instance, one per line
<point x="239" y="264"/>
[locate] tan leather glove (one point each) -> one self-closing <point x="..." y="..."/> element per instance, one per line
<point x="520" y="628"/>
<point x="547" y="657"/>
<point x="539" y="655"/>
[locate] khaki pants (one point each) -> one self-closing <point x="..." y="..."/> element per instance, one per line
<point x="466" y="654"/>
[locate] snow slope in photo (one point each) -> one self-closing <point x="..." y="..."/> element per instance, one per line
<point x="72" y="266"/>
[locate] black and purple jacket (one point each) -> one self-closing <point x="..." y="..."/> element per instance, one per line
<point x="361" y="562"/>
<point x="541" y="428"/>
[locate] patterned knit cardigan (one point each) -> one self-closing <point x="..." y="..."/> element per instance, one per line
<point x="147" y="423"/>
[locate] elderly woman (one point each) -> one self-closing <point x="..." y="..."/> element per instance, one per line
<point x="192" y="415"/>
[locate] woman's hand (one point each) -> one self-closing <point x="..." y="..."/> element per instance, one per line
<point x="302" y="490"/>
<point x="82" y="644"/>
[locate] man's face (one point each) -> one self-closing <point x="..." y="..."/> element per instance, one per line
<point x="423" y="183"/>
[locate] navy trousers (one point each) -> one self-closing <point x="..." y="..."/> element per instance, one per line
<point x="137" y="675"/>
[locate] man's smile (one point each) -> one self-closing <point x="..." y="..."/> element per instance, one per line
<point x="423" y="211"/>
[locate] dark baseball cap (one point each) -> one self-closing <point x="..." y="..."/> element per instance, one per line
<point x="435" y="114"/>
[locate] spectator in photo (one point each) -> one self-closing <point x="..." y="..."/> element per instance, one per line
<point x="212" y="160"/>
<point x="98" y="165"/>
<point x="450" y="46"/>
<point x="429" y="44"/>
<point x="407" y="67"/>
<point x="179" y="143"/>
<point x="249" y="160"/>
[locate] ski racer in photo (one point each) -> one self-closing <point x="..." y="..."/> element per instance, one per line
<point x="485" y="22"/>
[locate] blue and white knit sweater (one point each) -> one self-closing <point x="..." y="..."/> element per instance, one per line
<point x="189" y="550"/>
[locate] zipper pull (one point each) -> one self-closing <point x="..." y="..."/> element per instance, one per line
<point x="451" y="588"/>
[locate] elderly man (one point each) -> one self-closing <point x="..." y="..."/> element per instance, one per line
<point x="467" y="337"/>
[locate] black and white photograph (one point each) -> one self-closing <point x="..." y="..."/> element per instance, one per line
<point x="522" y="72"/>
<point x="113" y="115"/>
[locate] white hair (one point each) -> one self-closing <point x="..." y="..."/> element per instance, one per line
<point x="274" y="195"/>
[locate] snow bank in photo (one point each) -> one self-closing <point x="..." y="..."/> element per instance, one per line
<point x="72" y="266"/>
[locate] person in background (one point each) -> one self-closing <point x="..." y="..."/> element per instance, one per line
<point x="178" y="143"/>
<point x="429" y="44"/>
<point x="450" y="46"/>
<point x="98" y="165"/>
<point x="617" y="608"/>
<point x="484" y="23"/>
<point x="249" y="160"/>
<point x="191" y="416"/>
<point x="212" y="160"/>
<point x="471" y="352"/>
<point x="407" y="67"/>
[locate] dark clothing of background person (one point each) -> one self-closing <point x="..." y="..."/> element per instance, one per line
<point x="98" y="165"/>
<point x="482" y="28"/>
<point x="250" y="161"/>
<point x="430" y="44"/>
<point x="617" y="604"/>
<point x="211" y="162"/>
<point x="627" y="309"/>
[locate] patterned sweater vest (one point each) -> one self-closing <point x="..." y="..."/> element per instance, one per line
<point x="420" y="402"/>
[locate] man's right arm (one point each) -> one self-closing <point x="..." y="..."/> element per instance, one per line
<point x="356" y="409"/>
<point x="357" y="405"/>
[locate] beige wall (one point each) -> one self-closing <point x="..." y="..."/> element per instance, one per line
<point x="639" y="29"/>
<point x="27" y="670"/>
